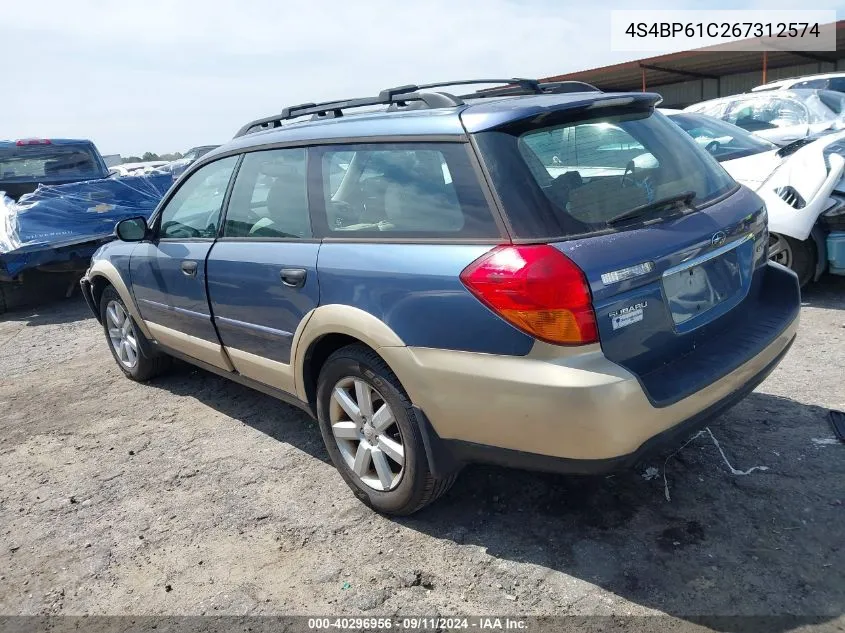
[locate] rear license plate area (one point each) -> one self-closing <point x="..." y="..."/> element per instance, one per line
<point x="697" y="289"/>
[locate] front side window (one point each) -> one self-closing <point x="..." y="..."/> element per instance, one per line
<point x="403" y="190"/>
<point x="270" y="196"/>
<point x="194" y="210"/>
<point x="578" y="178"/>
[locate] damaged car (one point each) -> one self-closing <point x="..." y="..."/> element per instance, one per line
<point x="781" y="116"/>
<point x="801" y="183"/>
<point x="47" y="236"/>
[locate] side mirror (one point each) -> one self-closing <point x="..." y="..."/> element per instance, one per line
<point x="131" y="229"/>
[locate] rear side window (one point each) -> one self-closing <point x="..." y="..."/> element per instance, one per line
<point x="403" y="190"/>
<point x="576" y="178"/>
<point x="49" y="162"/>
<point x="270" y="196"/>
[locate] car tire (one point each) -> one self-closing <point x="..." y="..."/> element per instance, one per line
<point x="133" y="353"/>
<point x="798" y="256"/>
<point x="405" y="488"/>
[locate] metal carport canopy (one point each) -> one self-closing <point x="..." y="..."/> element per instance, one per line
<point x="711" y="62"/>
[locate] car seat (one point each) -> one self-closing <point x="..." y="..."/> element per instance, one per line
<point x="287" y="209"/>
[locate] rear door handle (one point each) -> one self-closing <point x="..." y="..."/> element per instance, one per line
<point x="189" y="267"/>
<point x="293" y="277"/>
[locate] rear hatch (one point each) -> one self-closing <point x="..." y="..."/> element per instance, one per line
<point x="684" y="302"/>
<point x="673" y="250"/>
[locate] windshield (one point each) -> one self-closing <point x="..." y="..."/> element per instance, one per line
<point x="574" y="178"/>
<point x="722" y="140"/>
<point x="44" y="163"/>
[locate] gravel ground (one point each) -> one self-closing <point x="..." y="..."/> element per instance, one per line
<point x="194" y="495"/>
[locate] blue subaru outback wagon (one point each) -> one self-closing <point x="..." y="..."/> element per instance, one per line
<point x="538" y="275"/>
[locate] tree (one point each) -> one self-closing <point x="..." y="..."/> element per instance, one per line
<point x="149" y="156"/>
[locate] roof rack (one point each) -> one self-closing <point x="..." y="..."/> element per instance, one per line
<point x="401" y="97"/>
<point x="528" y="85"/>
<point x="548" y="87"/>
<point x="334" y="109"/>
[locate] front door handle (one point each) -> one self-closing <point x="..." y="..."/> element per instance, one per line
<point x="189" y="267"/>
<point x="293" y="277"/>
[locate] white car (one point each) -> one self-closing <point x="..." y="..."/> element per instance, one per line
<point x="780" y="116"/>
<point x="798" y="183"/>
<point x="824" y="81"/>
<point x="137" y="169"/>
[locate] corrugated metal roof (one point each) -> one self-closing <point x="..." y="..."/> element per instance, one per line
<point x="703" y="63"/>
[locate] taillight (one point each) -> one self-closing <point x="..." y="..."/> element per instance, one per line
<point x="536" y="288"/>
<point x="33" y="141"/>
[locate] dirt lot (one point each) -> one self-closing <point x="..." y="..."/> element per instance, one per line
<point x="193" y="495"/>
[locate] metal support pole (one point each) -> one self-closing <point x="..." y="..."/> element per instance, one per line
<point x="765" y="63"/>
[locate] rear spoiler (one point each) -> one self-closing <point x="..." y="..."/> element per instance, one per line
<point x="480" y="119"/>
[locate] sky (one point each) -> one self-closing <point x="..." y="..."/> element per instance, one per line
<point x="166" y="75"/>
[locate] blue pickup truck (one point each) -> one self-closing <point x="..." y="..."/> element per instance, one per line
<point x="57" y="206"/>
<point x="27" y="163"/>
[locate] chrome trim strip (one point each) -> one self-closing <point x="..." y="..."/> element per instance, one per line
<point x="254" y="326"/>
<point x="696" y="261"/>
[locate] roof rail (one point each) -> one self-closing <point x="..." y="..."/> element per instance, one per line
<point x="400" y="97"/>
<point x="548" y="87"/>
<point x="334" y="109"/>
<point x="529" y="85"/>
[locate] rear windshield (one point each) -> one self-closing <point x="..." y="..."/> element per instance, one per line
<point x="43" y="163"/>
<point x="575" y="177"/>
<point x="721" y="140"/>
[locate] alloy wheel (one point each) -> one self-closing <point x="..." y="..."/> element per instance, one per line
<point x="122" y="335"/>
<point x="367" y="434"/>
<point x="779" y="250"/>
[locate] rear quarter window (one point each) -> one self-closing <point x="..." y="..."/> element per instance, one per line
<point x="402" y="190"/>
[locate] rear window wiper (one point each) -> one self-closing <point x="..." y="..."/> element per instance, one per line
<point x="685" y="197"/>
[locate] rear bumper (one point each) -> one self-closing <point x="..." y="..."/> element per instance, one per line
<point x="563" y="409"/>
<point x="451" y="453"/>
